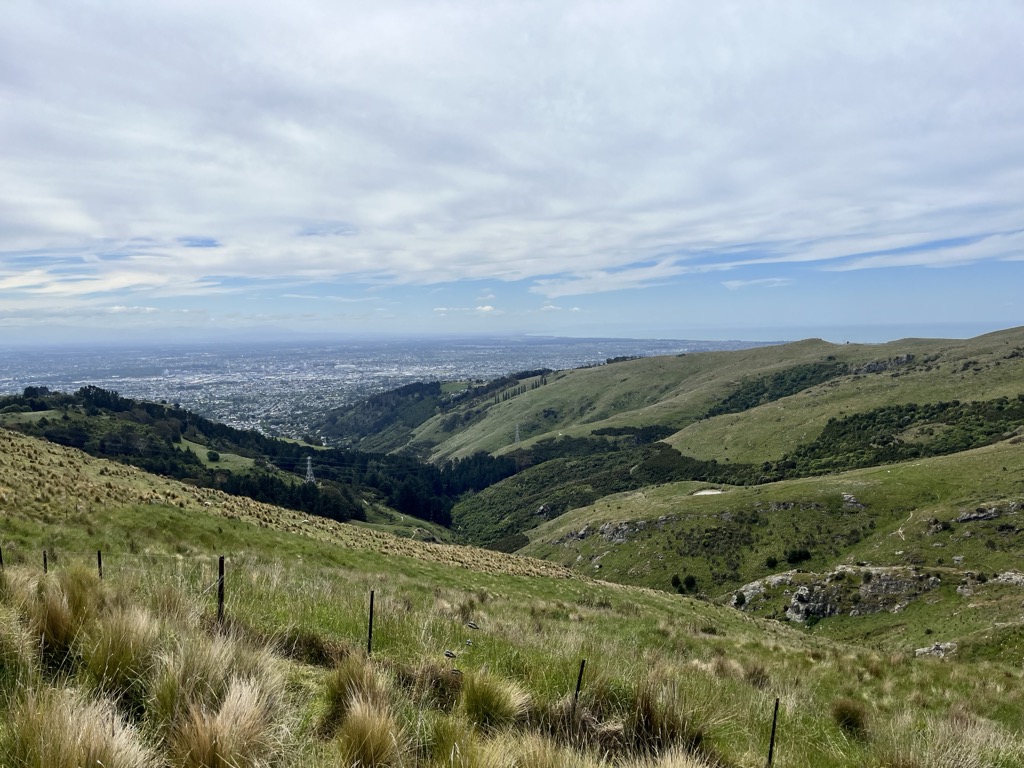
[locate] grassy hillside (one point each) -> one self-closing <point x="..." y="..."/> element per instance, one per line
<point x="682" y="392"/>
<point x="903" y="516"/>
<point x="134" y="670"/>
<point x="984" y="368"/>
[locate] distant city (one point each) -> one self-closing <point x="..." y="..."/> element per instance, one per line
<point x="280" y="389"/>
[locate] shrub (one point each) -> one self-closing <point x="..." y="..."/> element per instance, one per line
<point x="797" y="555"/>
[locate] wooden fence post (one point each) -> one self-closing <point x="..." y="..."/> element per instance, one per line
<point x="771" y="744"/>
<point x="220" y="590"/>
<point x="99" y="563"/>
<point x="46" y="566"/>
<point x="1" y="559"/>
<point x="369" y="630"/>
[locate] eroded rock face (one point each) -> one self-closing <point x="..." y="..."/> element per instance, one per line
<point x="855" y="591"/>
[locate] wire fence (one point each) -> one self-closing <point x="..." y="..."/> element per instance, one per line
<point x="138" y="562"/>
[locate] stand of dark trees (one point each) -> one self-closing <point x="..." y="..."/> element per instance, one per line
<point x="148" y="435"/>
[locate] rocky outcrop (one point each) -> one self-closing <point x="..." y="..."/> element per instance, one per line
<point x="939" y="650"/>
<point x="981" y="513"/>
<point x="846" y="590"/>
<point x="881" y="366"/>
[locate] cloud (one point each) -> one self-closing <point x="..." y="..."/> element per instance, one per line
<point x="578" y="148"/>
<point x="1002" y="246"/>
<point x="485" y="309"/>
<point x="118" y="310"/>
<point x="764" y="282"/>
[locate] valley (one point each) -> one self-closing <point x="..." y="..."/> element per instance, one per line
<point x="833" y="526"/>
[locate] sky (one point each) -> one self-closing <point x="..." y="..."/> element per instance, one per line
<point x="851" y="170"/>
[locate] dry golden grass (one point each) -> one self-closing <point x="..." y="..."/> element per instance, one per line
<point x="60" y="729"/>
<point x="370" y="736"/>
<point x="83" y="488"/>
<point x="242" y="731"/>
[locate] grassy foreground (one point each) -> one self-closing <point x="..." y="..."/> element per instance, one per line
<point x="475" y="655"/>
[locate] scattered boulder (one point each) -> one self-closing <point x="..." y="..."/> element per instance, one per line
<point x="852" y="502"/>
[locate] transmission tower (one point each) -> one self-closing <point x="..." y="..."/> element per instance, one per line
<point x="309" y="470"/>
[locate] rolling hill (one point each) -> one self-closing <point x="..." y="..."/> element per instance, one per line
<point x="475" y="654"/>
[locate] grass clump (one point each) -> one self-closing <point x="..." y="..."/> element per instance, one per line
<point x="371" y="737"/>
<point x="850" y="715"/>
<point x="119" y="655"/>
<point x="492" y="702"/>
<point x="197" y="675"/>
<point x="352" y="679"/>
<point x="18" y="656"/>
<point x="447" y="740"/>
<point x="59" y="729"/>
<point x="243" y="732"/>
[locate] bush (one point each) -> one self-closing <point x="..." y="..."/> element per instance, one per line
<point x="213" y="456"/>
<point x="797" y="555"/>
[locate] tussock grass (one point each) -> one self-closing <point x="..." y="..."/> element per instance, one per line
<point x="850" y="715"/>
<point x="447" y="741"/>
<point x="243" y="731"/>
<point x="370" y="736"/>
<point x="492" y="702"/>
<point x="198" y="673"/>
<point x="60" y="729"/>
<point x="353" y="679"/>
<point x="910" y="742"/>
<point x="119" y="654"/>
<point x="18" y="654"/>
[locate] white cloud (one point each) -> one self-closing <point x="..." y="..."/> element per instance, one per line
<point x="585" y="148"/>
<point x="118" y="310"/>
<point x="764" y="282"/>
